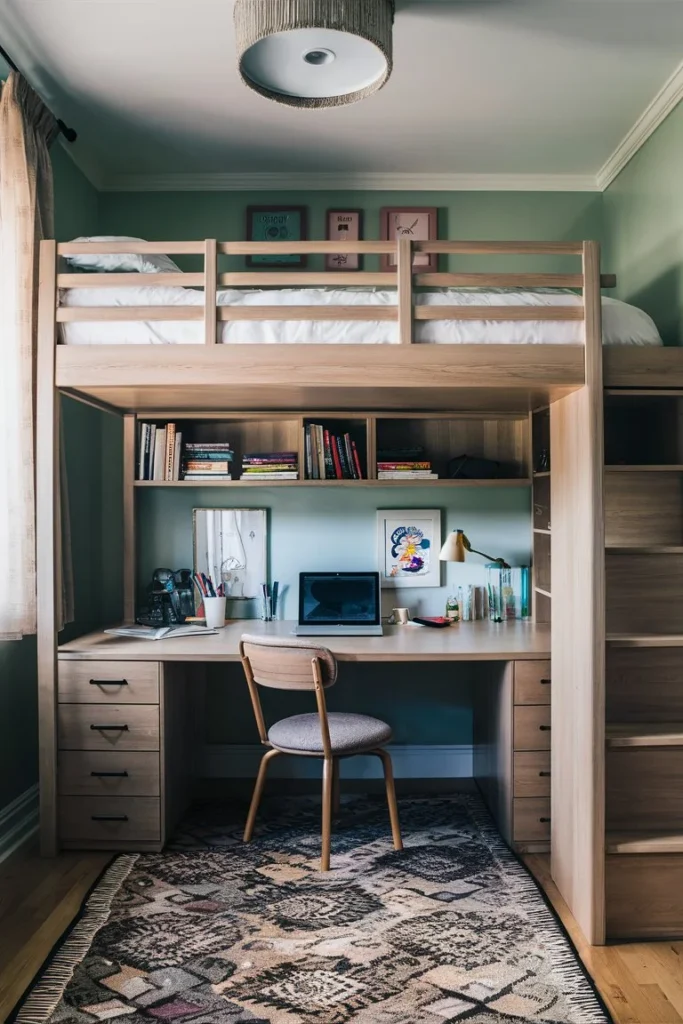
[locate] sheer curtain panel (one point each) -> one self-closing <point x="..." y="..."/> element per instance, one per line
<point x="27" y="129"/>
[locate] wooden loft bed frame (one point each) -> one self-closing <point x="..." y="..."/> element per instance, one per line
<point x="586" y="582"/>
<point x="212" y="376"/>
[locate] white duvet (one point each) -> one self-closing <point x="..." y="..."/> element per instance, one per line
<point x="622" y="324"/>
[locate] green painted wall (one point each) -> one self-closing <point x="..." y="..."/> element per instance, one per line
<point x="75" y="213"/>
<point x="643" y="228"/>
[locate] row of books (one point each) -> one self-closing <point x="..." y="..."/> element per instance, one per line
<point x="330" y="456"/>
<point x="159" y="451"/>
<point x="270" y="466"/>
<point x="404" y="464"/>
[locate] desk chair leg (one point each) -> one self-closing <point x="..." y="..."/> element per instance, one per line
<point x="258" y="793"/>
<point x="385" y="758"/>
<point x="328" y="786"/>
<point x="336" y="801"/>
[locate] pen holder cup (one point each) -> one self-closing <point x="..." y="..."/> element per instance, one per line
<point x="214" y="610"/>
<point x="266" y="609"/>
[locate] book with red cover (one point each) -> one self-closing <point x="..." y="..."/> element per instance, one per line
<point x="438" y="621"/>
<point x="356" y="460"/>
<point x="335" y="458"/>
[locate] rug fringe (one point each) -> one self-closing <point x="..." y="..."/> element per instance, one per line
<point x="40" y="1005"/>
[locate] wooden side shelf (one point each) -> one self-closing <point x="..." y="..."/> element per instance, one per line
<point x="644" y="640"/>
<point x="654" y="734"/>
<point x="654" y="549"/>
<point x="644" y="842"/>
<point x="674" y="467"/>
<point x="521" y="482"/>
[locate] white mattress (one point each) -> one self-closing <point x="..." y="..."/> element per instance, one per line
<point x="622" y="324"/>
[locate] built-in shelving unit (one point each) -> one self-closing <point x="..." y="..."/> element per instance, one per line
<point x="540" y="480"/>
<point x="644" y="660"/>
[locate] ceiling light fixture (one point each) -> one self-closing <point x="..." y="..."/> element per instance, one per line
<point x="314" y="53"/>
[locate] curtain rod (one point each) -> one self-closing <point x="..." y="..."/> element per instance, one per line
<point x="69" y="134"/>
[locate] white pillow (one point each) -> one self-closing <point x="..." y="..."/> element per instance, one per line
<point x="122" y="262"/>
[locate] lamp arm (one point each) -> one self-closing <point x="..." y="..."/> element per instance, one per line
<point x="499" y="561"/>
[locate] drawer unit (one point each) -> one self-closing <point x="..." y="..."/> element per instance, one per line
<point x="110" y="820"/>
<point x="531" y="773"/>
<point x="531" y="819"/>
<point x="532" y="682"/>
<point x="532" y="727"/>
<point x="108" y="682"/>
<point x="108" y="726"/>
<point x="108" y="773"/>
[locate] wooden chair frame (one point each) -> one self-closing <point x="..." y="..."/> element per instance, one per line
<point x="331" y="785"/>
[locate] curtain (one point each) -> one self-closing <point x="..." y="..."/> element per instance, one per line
<point x="27" y="129"/>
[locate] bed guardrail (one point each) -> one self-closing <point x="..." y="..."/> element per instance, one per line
<point x="405" y="279"/>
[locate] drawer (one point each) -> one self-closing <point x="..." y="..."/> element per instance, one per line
<point x="531" y="819"/>
<point x="108" y="773"/>
<point x="532" y="727"/>
<point x="532" y="773"/>
<point x="108" y="726"/>
<point x="110" y="819"/>
<point x="532" y="682"/>
<point x="108" y="682"/>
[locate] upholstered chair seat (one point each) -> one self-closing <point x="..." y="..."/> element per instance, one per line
<point x="349" y="734"/>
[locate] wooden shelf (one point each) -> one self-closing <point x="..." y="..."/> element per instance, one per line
<point x="545" y="533"/>
<point x="651" y="734"/>
<point x="652" y="549"/>
<point x="333" y="483"/>
<point x="675" y="467"/>
<point x="644" y="639"/>
<point x="546" y="593"/>
<point x="644" y="842"/>
<point x="542" y="475"/>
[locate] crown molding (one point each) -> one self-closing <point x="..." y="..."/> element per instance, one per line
<point x="353" y="181"/>
<point x="668" y="97"/>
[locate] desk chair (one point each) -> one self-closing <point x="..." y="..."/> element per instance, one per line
<point x="296" y="665"/>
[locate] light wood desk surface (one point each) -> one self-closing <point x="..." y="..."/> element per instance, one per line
<point x="466" y="641"/>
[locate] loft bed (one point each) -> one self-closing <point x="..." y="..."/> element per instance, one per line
<point x="344" y="339"/>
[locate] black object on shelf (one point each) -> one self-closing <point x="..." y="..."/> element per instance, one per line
<point x="468" y="467"/>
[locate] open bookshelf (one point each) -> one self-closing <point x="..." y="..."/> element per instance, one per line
<point x="541" y="536"/>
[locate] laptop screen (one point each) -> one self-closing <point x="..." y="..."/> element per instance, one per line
<point x="339" y="598"/>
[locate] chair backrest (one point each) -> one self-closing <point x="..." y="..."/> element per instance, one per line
<point x="287" y="664"/>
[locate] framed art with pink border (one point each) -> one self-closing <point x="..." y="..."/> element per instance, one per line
<point x="344" y="226"/>
<point x="419" y="224"/>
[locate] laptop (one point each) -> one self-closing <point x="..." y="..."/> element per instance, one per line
<point x="339" y="604"/>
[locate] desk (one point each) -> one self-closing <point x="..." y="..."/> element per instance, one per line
<point x="125" y="710"/>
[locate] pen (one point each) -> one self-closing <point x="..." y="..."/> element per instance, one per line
<point x="273" y="609"/>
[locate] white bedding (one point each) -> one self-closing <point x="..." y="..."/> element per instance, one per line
<point x="622" y="324"/>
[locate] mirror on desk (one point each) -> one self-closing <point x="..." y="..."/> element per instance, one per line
<point x="229" y="545"/>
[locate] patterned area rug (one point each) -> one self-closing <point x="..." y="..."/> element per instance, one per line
<point x="215" y="932"/>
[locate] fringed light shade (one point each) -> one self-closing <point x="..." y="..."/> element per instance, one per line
<point x="314" y="53"/>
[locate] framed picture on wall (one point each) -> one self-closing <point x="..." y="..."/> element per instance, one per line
<point x="408" y="545"/>
<point x="277" y="224"/>
<point x="419" y="224"/>
<point x="344" y="226"/>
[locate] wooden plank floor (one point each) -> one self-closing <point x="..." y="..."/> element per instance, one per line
<point x="642" y="983"/>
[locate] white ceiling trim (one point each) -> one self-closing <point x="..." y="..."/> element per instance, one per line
<point x="668" y="97"/>
<point x="353" y="181"/>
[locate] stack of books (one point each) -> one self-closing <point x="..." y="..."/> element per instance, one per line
<point x="159" y="452"/>
<point x="330" y="456"/>
<point x="404" y="464"/>
<point x="207" y="461"/>
<point x="270" y="466"/>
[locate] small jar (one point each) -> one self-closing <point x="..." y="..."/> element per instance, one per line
<point x="452" y="609"/>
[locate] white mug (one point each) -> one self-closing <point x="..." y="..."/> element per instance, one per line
<point x="214" y="610"/>
<point x="401" y="615"/>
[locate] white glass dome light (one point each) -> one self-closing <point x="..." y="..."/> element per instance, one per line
<point x="315" y="53"/>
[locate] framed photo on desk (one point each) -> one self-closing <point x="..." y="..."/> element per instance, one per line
<point x="408" y="544"/>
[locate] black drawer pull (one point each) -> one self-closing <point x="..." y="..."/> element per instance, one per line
<point x="544" y="728"/>
<point x="109" y="817"/>
<point x="544" y="820"/>
<point x="109" y="775"/>
<point x="545" y="682"/>
<point x="543" y="775"/>
<point x="109" y="728"/>
<point x="109" y="682"/>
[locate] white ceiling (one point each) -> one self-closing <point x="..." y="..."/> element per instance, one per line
<point x="480" y="88"/>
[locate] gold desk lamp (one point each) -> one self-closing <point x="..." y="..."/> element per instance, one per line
<point x="457" y="545"/>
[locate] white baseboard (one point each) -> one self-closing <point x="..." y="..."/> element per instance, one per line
<point x="241" y="761"/>
<point x="18" y="822"/>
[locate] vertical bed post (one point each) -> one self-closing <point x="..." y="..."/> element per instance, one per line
<point x="129" y="548"/>
<point x="405" y="291"/>
<point x="47" y="520"/>
<point x="578" y="629"/>
<point x="210" y="277"/>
